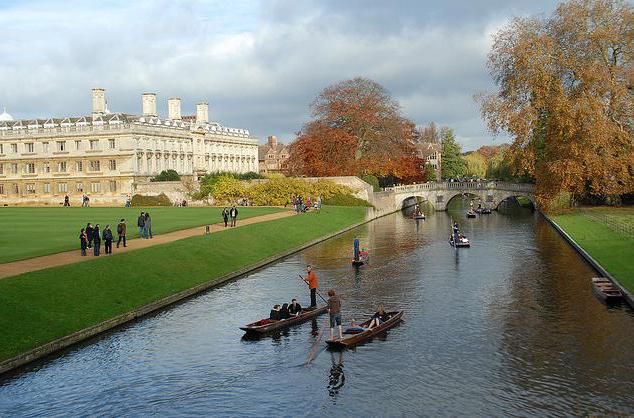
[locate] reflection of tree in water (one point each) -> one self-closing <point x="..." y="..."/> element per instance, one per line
<point x="337" y="378"/>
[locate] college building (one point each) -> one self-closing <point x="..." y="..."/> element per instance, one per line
<point x="273" y="157"/>
<point x="104" y="154"/>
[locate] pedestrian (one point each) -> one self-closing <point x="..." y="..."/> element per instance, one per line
<point x="318" y="202"/>
<point x="96" y="238"/>
<point x="107" y="238"/>
<point x="140" y="222"/>
<point x="334" y="309"/>
<point x="147" y="227"/>
<point x="83" y="240"/>
<point x="121" y="231"/>
<point x="225" y="216"/>
<point x="233" y="213"/>
<point x="89" y="233"/>
<point x="312" y="285"/>
<point x="67" y="201"/>
<point x="83" y="200"/>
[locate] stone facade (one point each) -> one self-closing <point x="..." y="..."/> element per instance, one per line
<point x="272" y="157"/>
<point x="104" y="154"/>
<point x="431" y="152"/>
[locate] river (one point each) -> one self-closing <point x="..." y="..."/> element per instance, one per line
<point x="507" y="327"/>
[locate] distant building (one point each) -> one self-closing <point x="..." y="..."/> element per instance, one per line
<point x="431" y="153"/>
<point x="272" y="157"/>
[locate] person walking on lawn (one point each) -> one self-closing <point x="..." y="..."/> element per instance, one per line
<point x="234" y="215"/>
<point x="147" y="227"/>
<point x="121" y="230"/>
<point x="311" y="279"/>
<point x="89" y="233"/>
<point x="107" y="238"/>
<point x="140" y="222"/>
<point x="83" y="240"/>
<point x="225" y="216"/>
<point x="96" y="239"/>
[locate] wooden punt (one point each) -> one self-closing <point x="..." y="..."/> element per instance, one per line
<point x="606" y="290"/>
<point x="361" y="261"/>
<point x="471" y="214"/>
<point x="417" y="217"/>
<point x="265" y="325"/>
<point x="485" y="211"/>
<point x="350" y="340"/>
<point x="459" y="244"/>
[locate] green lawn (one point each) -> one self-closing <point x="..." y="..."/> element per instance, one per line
<point x="31" y="232"/>
<point x="40" y="306"/>
<point x="604" y="234"/>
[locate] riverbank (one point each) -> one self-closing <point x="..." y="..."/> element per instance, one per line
<point x="606" y="235"/>
<point x="41" y="307"/>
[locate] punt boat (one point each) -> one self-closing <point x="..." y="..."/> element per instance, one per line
<point x="266" y="325"/>
<point x="471" y="214"/>
<point x="462" y="242"/>
<point x="351" y="339"/>
<point x="606" y="290"/>
<point x="418" y="216"/>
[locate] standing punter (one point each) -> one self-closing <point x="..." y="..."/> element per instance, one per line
<point x="312" y="285"/>
<point x="334" y="309"/>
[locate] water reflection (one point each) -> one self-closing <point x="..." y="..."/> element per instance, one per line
<point x="336" y="378"/>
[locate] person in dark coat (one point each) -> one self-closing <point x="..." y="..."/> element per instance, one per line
<point x="147" y="227"/>
<point x="225" y="216"/>
<point x="275" y="313"/>
<point x="140" y="222"/>
<point x="96" y="239"/>
<point x="107" y="238"/>
<point x="89" y="232"/>
<point x="284" y="314"/>
<point x="233" y="213"/>
<point x="83" y="241"/>
<point x="294" y="308"/>
<point x="121" y="231"/>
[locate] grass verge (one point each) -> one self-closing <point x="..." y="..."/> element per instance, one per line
<point x="32" y="232"/>
<point x="612" y="249"/>
<point x="40" y="306"/>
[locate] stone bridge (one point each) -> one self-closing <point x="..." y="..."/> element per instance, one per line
<point x="438" y="194"/>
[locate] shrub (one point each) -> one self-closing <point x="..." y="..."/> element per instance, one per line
<point x="345" y="200"/>
<point x="167" y="175"/>
<point x="227" y="189"/>
<point x="373" y="181"/>
<point x="160" y="200"/>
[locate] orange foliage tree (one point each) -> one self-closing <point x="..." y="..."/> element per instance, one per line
<point x="566" y="96"/>
<point x="357" y="129"/>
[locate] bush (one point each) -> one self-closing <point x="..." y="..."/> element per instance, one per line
<point x="373" y="181"/>
<point x="345" y="200"/>
<point x="167" y="175"/>
<point x="160" y="200"/>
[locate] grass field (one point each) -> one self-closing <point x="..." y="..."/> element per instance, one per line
<point x="31" y="232"/>
<point x="43" y="305"/>
<point x="605" y="233"/>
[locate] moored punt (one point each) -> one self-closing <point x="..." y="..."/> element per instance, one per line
<point x="605" y="290"/>
<point x="266" y="325"/>
<point x="353" y="339"/>
<point x="485" y="211"/>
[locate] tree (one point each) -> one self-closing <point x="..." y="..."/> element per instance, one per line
<point x="566" y="96"/>
<point x="476" y="165"/>
<point x="453" y="165"/>
<point x="167" y="175"/>
<point x="357" y="129"/>
<point x="430" y="173"/>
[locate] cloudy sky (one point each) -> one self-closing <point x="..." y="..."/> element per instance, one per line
<point x="258" y="63"/>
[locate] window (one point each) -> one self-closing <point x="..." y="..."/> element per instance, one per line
<point x="78" y="145"/>
<point x="79" y="166"/>
<point x="47" y="187"/>
<point x="29" y="168"/>
<point x="113" y="186"/>
<point x="1" y="188"/>
<point x="30" y="188"/>
<point x="1" y="169"/>
<point x="79" y="187"/>
<point x="62" y="187"/>
<point x="14" y="168"/>
<point x="94" y="144"/>
<point x="61" y="167"/>
<point x="45" y="146"/>
<point x="112" y="164"/>
<point x="16" y="189"/>
<point x="112" y="144"/>
<point x="46" y="167"/>
<point x="61" y="146"/>
<point x="1" y="149"/>
<point x="29" y="147"/>
<point x="14" y="148"/>
<point x="95" y="165"/>
<point x="95" y="187"/>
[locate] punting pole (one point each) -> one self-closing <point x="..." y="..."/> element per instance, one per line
<point x="313" y="351"/>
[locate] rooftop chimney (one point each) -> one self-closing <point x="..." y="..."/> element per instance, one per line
<point x="202" y="113"/>
<point x="174" y="108"/>
<point x="149" y="104"/>
<point x="272" y="141"/>
<point x="98" y="102"/>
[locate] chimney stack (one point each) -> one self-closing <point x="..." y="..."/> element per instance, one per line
<point x="272" y="141"/>
<point x="174" y="108"/>
<point x="149" y="104"/>
<point x="202" y="113"/>
<point x="98" y="102"/>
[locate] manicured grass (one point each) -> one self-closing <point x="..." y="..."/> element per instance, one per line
<point x="41" y="306"/>
<point x="32" y="232"/>
<point x="607" y="243"/>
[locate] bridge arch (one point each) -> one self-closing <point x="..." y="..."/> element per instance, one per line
<point x="413" y="199"/>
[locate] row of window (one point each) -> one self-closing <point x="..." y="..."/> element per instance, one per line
<point x="62" y="166"/>
<point x="31" y="188"/>
<point x="60" y="146"/>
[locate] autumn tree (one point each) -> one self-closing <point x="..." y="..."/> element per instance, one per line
<point x="566" y="96"/>
<point x="453" y="165"/>
<point x="357" y="129"/>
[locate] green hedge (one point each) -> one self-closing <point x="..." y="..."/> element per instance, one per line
<point x="346" y="200"/>
<point x="160" y="200"/>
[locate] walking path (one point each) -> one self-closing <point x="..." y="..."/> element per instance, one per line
<point x="69" y="257"/>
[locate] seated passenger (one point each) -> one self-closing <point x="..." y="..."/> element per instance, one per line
<point x="294" y="308"/>
<point x="275" y="313"/>
<point x="379" y="317"/>
<point x="284" y="313"/>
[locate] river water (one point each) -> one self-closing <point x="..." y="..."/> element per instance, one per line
<point x="507" y="327"/>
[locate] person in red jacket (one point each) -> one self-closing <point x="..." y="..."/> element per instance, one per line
<point x="312" y="285"/>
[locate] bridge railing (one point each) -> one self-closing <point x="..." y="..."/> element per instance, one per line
<point x="464" y="185"/>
